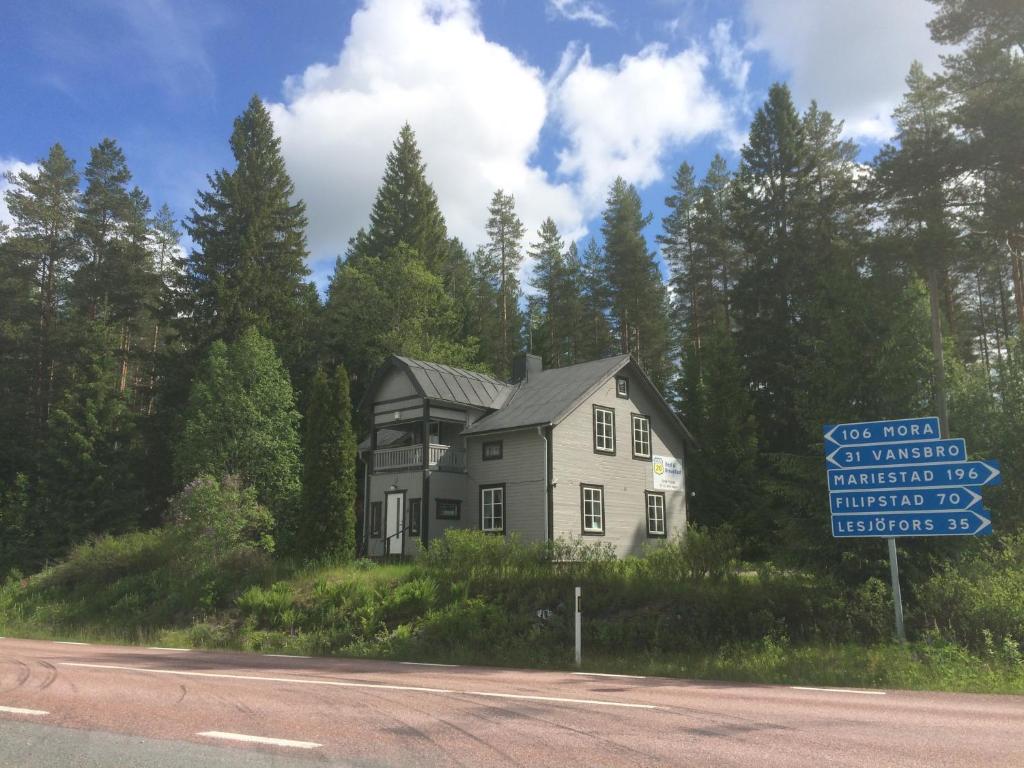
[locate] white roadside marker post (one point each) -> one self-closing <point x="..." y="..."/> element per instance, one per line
<point x="897" y="597"/>
<point x="579" y="628"/>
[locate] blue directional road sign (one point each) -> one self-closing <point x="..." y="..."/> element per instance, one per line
<point x="873" y="432"/>
<point x="955" y="499"/>
<point x="965" y="523"/>
<point x="885" y="454"/>
<point x="970" y="473"/>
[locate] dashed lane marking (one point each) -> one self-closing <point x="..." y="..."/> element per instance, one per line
<point x="20" y="711"/>
<point x="608" y="674"/>
<point x="525" y="697"/>
<point x="287" y="656"/>
<point x="68" y="642"/>
<point x="837" y="690"/>
<point x="346" y="684"/>
<point x="426" y="664"/>
<point x="260" y="739"/>
<point x="161" y="648"/>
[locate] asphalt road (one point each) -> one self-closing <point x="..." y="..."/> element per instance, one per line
<point x="93" y="705"/>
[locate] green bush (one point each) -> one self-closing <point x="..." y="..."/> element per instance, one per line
<point x="220" y="516"/>
<point x="980" y="597"/>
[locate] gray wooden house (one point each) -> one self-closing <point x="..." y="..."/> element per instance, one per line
<point x="589" y="450"/>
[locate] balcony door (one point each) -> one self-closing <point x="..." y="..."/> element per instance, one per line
<point x="394" y="514"/>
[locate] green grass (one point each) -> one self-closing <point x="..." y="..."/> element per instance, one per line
<point x="475" y="600"/>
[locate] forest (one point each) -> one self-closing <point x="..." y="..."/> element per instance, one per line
<point x="798" y="287"/>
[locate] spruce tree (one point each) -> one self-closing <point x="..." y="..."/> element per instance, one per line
<point x="248" y="265"/>
<point x="327" y="521"/>
<point x="639" y="301"/>
<point x="379" y="308"/>
<point x="405" y="210"/>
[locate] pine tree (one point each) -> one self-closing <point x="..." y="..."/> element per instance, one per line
<point x="405" y="210"/>
<point x="39" y="256"/>
<point x="248" y="266"/>
<point x="557" y="301"/>
<point x="503" y="255"/>
<point x="328" y="519"/>
<point x="241" y="420"/>
<point x="984" y="80"/>
<point x="914" y="182"/>
<point x="596" y="339"/>
<point x="639" y="300"/>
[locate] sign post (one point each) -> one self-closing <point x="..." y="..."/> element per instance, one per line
<point x="897" y="595"/>
<point x="579" y="627"/>
<point x="902" y="478"/>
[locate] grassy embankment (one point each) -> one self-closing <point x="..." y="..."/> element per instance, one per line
<point x="474" y="601"/>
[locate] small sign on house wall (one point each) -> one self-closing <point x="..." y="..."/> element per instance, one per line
<point x="668" y="473"/>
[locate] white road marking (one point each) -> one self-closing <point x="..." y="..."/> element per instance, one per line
<point x="19" y="711"/>
<point x="260" y="740"/>
<point x="69" y="642"/>
<point x="345" y="684"/>
<point x="560" y="700"/>
<point x="426" y="664"/>
<point x="287" y="656"/>
<point x="160" y="648"/>
<point x="837" y="690"/>
<point x="608" y="674"/>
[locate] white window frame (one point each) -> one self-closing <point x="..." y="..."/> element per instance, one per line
<point x="491" y="521"/>
<point x="604" y="431"/>
<point x="644" y="435"/>
<point x="592" y="509"/>
<point x="655" y="530"/>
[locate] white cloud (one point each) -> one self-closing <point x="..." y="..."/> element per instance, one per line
<point x="620" y="120"/>
<point x="476" y="108"/>
<point x="729" y="57"/>
<point x="850" y="56"/>
<point x="581" y="10"/>
<point x="11" y="165"/>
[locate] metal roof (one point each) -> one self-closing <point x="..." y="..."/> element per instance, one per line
<point x="547" y="396"/>
<point x="456" y="385"/>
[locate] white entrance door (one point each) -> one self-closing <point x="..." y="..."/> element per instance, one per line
<point x="395" y="522"/>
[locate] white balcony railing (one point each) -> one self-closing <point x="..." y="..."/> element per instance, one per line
<point x="443" y="457"/>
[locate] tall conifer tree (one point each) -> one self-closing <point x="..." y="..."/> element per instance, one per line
<point x="248" y="267"/>
<point x="639" y="301"/>
<point x="327" y="518"/>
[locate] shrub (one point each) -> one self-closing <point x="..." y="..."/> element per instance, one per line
<point x="221" y="516"/>
<point x="698" y="554"/>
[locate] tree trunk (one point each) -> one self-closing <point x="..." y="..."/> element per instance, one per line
<point x="1017" y="263"/>
<point x="938" y="369"/>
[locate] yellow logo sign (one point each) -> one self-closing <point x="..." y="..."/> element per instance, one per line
<point x="659" y="466"/>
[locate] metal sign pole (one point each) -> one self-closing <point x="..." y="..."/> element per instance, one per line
<point x="897" y="598"/>
<point x="579" y="629"/>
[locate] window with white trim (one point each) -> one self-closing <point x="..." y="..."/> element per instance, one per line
<point x="604" y="430"/>
<point x="641" y="436"/>
<point x="622" y="387"/>
<point x="415" y="514"/>
<point x="655" y="513"/>
<point x="492" y="508"/>
<point x="592" y="508"/>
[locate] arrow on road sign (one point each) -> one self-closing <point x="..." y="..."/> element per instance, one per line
<point x="956" y="499"/>
<point x="893" y="431"/>
<point x="957" y="473"/>
<point x="928" y="523"/>
<point x="885" y="454"/>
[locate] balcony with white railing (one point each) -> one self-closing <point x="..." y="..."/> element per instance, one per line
<point x="445" y="458"/>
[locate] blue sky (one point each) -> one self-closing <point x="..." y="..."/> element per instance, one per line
<point x="548" y="99"/>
